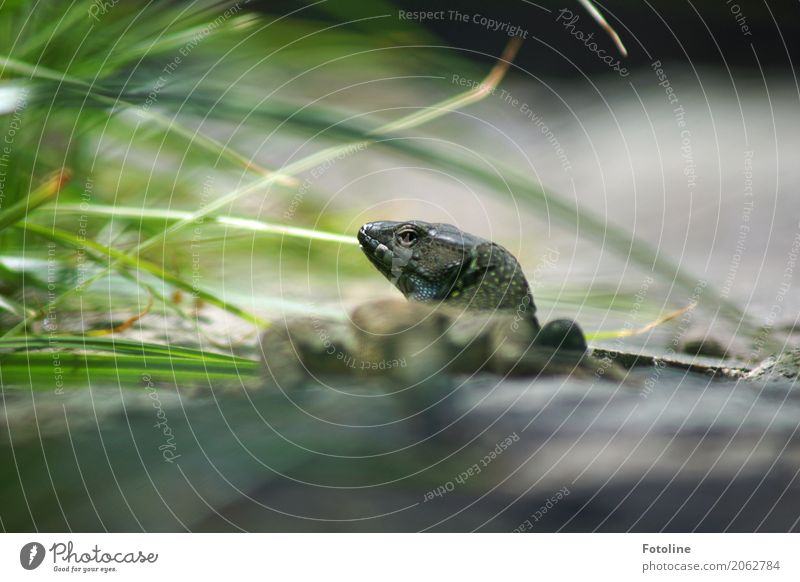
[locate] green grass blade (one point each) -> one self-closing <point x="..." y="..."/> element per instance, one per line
<point x="15" y="308"/>
<point x="247" y="224"/>
<point x="48" y="371"/>
<point x="109" y="255"/>
<point x="43" y="194"/>
<point x="117" y="346"/>
<point x="171" y="125"/>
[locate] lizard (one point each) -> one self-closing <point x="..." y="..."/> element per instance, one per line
<point x="439" y="262"/>
<point x="431" y="262"/>
<point x="468" y="308"/>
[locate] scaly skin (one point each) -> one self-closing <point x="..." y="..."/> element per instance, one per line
<point x="438" y="262"/>
<point x="441" y="263"/>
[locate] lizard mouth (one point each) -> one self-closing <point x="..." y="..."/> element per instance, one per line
<point x="378" y="253"/>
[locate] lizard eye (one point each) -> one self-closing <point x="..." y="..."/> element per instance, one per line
<point x="407" y="238"/>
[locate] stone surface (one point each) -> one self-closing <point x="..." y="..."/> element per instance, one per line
<point x="677" y="451"/>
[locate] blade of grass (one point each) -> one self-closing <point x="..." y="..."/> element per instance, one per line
<point x="109" y="254"/>
<point x="483" y="90"/>
<point x="35" y="370"/>
<point x="15" y="308"/>
<point x="125" y="325"/>
<point x="116" y="346"/>
<point x="43" y="194"/>
<point x="208" y="143"/>
<point x="595" y="13"/>
<point x="194" y="137"/>
<point x="229" y="221"/>
<point x="179" y="39"/>
<point x="602" y="335"/>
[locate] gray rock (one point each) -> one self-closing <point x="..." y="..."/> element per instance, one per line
<point x="781" y="366"/>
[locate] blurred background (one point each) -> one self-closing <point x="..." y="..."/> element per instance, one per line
<point x="188" y="216"/>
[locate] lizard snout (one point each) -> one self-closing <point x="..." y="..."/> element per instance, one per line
<point x="369" y="238"/>
<point x="362" y="234"/>
<point x="382" y="231"/>
<point x="365" y="238"/>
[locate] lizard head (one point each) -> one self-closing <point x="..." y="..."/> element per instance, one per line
<point x="440" y="262"/>
<point x="421" y="259"/>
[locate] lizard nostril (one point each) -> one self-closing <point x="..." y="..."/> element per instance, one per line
<point x="366" y="241"/>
